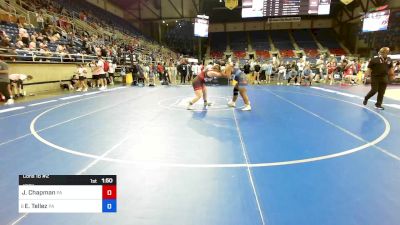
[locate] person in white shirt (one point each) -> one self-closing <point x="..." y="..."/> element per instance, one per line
<point x="195" y="71"/>
<point x="32" y="45"/>
<point x="95" y="74"/>
<point x="97" y="50"/>
<point x="146" y="72"/>
<point x="111" y="70"/>
<point x="209" y="66"/>
<point x="19" y="44"/>
<point x="306" y="75"/>
<point x="152" y="74"/>
<point x="268" y="72"/>
<point x="300" y="66"/>
<point x="251" y="62"/>
<point x="173" y="72"/>
<point x="23" y="34"/>
<point x="60" y="48"/>
<point x="281" y="74"/>
<point x="102" y="73"/>
<point x="40" y="20"/>
<point x="17" y="85"/>
<point x="82" y="73"/>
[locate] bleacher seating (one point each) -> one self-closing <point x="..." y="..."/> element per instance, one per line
<point x="311" y="52"/>
<point x="259" y="40"/>
<point x="100" y="15"/>
<point x="239" y="54"/>
<point x="281" y="40"/>
<point x="304" y="39"/>
<point x="218" y="41"/>
<point x="216" y="54"/>
<point x="337" y="51"/>
<point x="263" y="54"/>
<point x="12" y="31"/>
<point x="288" y="59"/>
<point x="238" y="41"/>
<point x="287" y="53"/>
<point x="327" y="38"/>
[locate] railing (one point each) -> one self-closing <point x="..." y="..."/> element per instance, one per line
<point x="37" y="56"/>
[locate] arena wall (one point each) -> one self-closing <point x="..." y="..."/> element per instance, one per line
<point x="109" y="6"/>
<point x="46" y="75"/>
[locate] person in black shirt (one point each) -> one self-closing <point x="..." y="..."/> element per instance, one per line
<point x="381" y="71"/>
<point x="190" y="71"/>
<point x="5" y="88"/>
<point x="183" y="70"/>
<point x="246" y="68"/>
<point x="257" y="69"/>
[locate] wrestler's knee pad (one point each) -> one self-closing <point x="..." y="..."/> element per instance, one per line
<point x="235" y="91"/>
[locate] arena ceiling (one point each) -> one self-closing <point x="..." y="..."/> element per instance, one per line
<point x="158" y="10"/>
<point x="153" y="10"/>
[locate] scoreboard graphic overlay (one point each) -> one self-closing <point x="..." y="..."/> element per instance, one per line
<point x="67" y="193"/>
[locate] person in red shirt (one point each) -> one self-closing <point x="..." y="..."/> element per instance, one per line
<point x="331" y="66"/>
<point x="348" y="72"/>
<point x="160" y="70"/>
<point x="199" y="86"/>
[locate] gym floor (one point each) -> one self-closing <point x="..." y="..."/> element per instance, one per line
<point x="303" y="155"/>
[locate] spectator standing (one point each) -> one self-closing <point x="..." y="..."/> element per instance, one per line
<point x="40" y="20"/>
<point x="82" y="74"/>
<point x="257" y="69"/>
<point x="18" y="80"/>
<point x="5" y="87"/>
<point x="182" y="68"/>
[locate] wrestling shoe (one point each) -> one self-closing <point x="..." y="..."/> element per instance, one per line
<point x="9" y="102"/>
<point x="190" y="107"/>
<point x="247" y="108"/>
<point x="207" y="104"/>
<point x="231" y="104"/>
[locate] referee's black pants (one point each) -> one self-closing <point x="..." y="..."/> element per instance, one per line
<point x="378" y="84"/>
<point x="183" y="78"/>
